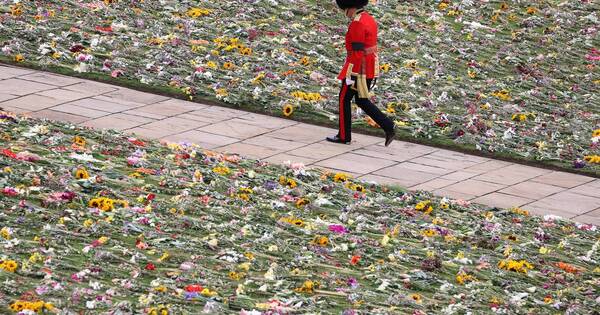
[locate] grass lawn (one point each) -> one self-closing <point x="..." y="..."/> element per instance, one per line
<point x="515" y="81"/>
<point x="100" y="222"/>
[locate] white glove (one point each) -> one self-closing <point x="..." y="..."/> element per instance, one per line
<point x="349" y="81"/>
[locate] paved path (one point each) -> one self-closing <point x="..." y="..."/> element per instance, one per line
<point x="446" y="173"/>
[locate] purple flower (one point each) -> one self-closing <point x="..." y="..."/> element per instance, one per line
<point x="579" y="163"/>
<point x="352" y="283"/>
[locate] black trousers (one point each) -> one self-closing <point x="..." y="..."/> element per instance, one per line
<point x="347" y="93"/>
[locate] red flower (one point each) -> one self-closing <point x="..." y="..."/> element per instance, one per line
<point x="355" y="259"/>
<point x="104" y="29"/>
<point x="194" y="288"/>
<point x="151" y="197"/>
<point x="9" y="153"/>
<point x="150" y="266"/>
<point x="137" y="142"/>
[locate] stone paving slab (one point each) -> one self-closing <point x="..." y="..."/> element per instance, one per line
<point x="32" y="102"/>
<point x="445" y="173"/>
<point x="11" y="72"/>
<point x="357" y="163"/>
<point x="474" y="187"/>
<point x="501" y="200"/>
<point x="235" y="128"/>
<point x="563" y="179"/>
<point x="248" y="150"/>
<point x="6" y="97"/>
<point x="532" y="190"/>
<point x="61" y="116"/>
<point x="117" y="122"/>
<point x="52" y="79"/>
<point x="66" y="95"/>
<point x="568" y="202"/>
<point x="22" y="87"/>
<point x="591" y="189"/>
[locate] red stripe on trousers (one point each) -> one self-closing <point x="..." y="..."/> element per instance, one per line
<point x="342" y="114"/>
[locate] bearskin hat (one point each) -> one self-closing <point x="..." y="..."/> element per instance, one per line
<point x="348" y="4"/>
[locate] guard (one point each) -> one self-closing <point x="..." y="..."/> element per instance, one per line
<point x="360" y="71"/>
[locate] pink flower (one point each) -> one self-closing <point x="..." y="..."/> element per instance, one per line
<point x="9" y="191"/>
<point x="338" y="229"/>
<point x="133" y="160"/>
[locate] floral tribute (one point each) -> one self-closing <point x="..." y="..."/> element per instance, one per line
<point x="500" y="76"/>
<point x="156" y="228"/>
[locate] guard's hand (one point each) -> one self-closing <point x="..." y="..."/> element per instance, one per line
<point x="349" y="81"/>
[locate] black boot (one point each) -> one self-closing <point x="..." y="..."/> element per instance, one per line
<point x="389" y="137"/>
<point x="336" y="139"/>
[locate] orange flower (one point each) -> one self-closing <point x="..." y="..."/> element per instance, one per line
<point x="355" y="259"/>
<point x="568" y="268"/>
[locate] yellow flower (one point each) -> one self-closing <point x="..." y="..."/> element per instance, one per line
<point x="307" y="287"/>
<point x="390" y="108"/>
<point x="520" y="211"/>
<point x="81" y="173"/>
<point x="544" y="250"/>
<point x="416" y="297"/>
<point x="443" y="6"/>
<point x="102" y="240"/>
<point x="222" y="170"/>
<point x="288" y="110"/>
<point x="87" y="223"/>
<point x="385" y="67"/>
<point x="518" y="266"/>
<point x="79" y="141"/>
<point x="531" y="10"/>
<point x="19" y="58"/>
<point x="228" y="66"/>
<point x="504" y="6"/>
<point x="211" y="64"/>
<point x="321" y="240"/>
<point x="5" y="233"/>
<point x="305" y="61"/>
<point x="197" y="12"/>
<point x="340" y="177"/>
<point x="9" y="265"/>
<point x="245" y="51"/>
<point x="596" y="133"/>
<point x="463" y="278"/>
<point x="302" y="202"/>
<point x="502" y="94"/>
<point x="208" y="293"/>
<point x="235" y="276"/>
<point x="472" y="74"/>
<point x="594" y="159"/>
<point x="429" y="233"/>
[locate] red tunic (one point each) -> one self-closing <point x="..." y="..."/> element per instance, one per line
<point x="361" y="44"/>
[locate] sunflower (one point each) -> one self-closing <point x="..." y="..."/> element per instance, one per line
<point x="81" y="173"/>
<point x="305" y="61"/>
<point x="429" y="233"/>
<point x="288" y="110"/>
<point x="79" y="141"/>
<point x="321" y="240"/>
<point x="416" y="297"/>
<point x="302" y="202"/>
<point x="297" y="222"/>
<point x="9" y="265"/>
<point x="340" y="177"/>
<point x="246" y="51"/>
<point x="385" y="67"/>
